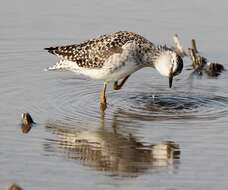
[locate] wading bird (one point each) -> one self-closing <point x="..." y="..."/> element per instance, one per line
<point x="116" y="56"/>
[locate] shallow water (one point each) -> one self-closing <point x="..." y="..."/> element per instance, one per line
<point x="151" y="137"/>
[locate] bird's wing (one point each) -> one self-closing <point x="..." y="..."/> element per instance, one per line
<point x="93" y="53"/>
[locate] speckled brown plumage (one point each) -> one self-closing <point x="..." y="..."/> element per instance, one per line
<point x="116" y="56"/>
<point x="93" y="53"/>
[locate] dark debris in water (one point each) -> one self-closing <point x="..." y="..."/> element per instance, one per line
<point x="214" y="69"/>
<point x="200" y="64"/>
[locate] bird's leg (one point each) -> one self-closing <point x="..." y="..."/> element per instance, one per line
<point x="117" y="86"/>
<point x="103" y="103"/>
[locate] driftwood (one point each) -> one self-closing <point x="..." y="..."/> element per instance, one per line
<point x="214" y="69"/>
<point x="200" y="64"/>
<point x="194" y="46"/>
<point x="178" y="47"/>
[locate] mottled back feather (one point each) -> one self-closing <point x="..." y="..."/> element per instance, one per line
<point x="93" y="53"/>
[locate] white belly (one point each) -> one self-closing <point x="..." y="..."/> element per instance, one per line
<point x="108" y="73"/>
<point x="117" y="66"/>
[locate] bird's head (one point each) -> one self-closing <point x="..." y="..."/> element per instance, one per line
<point x="169" y="64"/>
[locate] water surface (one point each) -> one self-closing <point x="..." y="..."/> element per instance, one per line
<point x="151" y="137"/>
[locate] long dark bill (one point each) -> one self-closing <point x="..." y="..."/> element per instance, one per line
<point x="170" y="81"/>
<point x="171" y="77"/>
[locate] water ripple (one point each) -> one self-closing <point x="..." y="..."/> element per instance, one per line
<point x="172" y="106"/>
<point x="73" y="103"/>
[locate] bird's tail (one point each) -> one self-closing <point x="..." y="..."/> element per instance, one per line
<point x="51" y="49"/>
<point x="61" y="65"/>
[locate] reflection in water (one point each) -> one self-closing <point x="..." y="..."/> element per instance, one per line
<point x="25" y="128"/>
<point x="109" y="149"/>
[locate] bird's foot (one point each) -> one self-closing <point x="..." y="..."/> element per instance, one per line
<point x="117" y="86"/>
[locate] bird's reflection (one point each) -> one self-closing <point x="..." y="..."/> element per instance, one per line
<point x="109" y="149"/>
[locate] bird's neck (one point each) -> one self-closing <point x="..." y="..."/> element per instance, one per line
<point x="151" y="56"/>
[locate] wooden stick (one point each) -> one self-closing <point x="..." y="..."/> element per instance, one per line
<point x="194" y="46"/>
<point x="193" y="58"/>
<point x="178" y="46"/>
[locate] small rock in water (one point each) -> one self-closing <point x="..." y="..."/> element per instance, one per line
<point x="13" y="186"/>
<point x="27" y="122"/>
